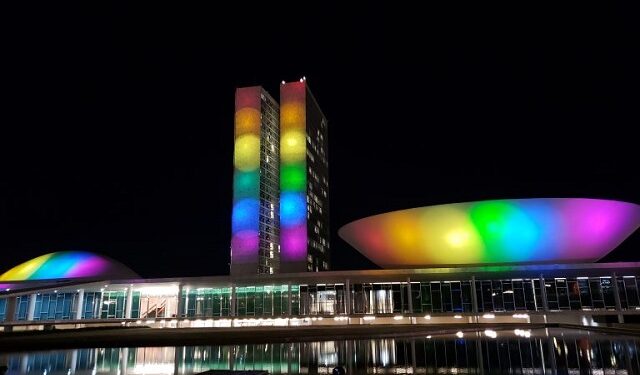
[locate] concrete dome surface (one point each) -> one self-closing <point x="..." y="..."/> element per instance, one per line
<point x="541" y="230"/>
<point x="68" y="265"/>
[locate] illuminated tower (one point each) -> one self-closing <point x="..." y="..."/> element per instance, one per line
<point x="304" y="181"/>
<point x="255" y="220"/>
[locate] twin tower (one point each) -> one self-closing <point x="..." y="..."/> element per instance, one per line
<point x="280" y="218"/>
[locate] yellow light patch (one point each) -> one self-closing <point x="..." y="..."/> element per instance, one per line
<point x="24" y="270"/>
<point x="448" y="235"/>
<point x="293" y="147"/>
<point x="246" y="156"/>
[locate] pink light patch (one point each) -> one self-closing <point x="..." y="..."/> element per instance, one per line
<point x="293" y="243"/>
<point x="244" y="245"/>
<point x="88" y="267"/>
<point x="596" y="225"/>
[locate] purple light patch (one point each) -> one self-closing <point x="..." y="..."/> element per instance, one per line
<point x="293" y="243"/>
<point x="244" y="244"/>
<point x="88" y="267"/>
<point x="595" y="225"/>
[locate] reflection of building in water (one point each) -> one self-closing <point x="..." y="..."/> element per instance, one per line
<point x="474" y="353"/>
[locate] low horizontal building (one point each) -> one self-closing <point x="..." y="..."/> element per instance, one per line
<point x="80" y="289"/>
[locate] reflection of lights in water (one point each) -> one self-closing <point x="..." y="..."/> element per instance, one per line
<point x="327" y="352"/>
<point x="377" y="355"/>
<point x="523" y="333"/>
<point x="457" y="317"/>
<point x="490" y="333"/>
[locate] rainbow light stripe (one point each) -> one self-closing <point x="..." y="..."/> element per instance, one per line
<point x="558" y="230"/>
<point x="245" y="238"/>
<point x="65" y="265"/>
<point x="293" y="172"/>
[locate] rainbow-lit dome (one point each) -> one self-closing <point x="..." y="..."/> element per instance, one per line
<point x="68" y="265"/>
<point x="547" y="230"/>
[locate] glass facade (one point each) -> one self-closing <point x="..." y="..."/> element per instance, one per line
<point x="207" y="302"/>
<point x="3" y="309"/>
<point x="318" y="235"/>
<point x="56" y="306"/>
<point x="335" y="299"/>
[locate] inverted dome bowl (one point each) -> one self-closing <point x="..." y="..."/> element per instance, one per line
<point x="544" y="230"/>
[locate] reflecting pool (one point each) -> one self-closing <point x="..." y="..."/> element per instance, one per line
<point x="519" y="351"/>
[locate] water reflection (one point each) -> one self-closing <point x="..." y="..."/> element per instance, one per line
<point x="475" y="353"/>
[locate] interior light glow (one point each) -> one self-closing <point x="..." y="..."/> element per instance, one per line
<point x="169" y="290"/>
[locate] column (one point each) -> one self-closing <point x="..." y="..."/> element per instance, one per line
<point x="10" y="309"/>
<point x="31" y="312"/>
<point x="347" y="297"/>
<point x="616" y="293"/>
<point x="182" y="303"/>
<point x="410" y="304"/>
<point x="474" y="298"/>
<point x="80" y="307"/>
<point x="100" y="302"/>
<point x="289" y="299"/>
<point x="129" y="303"/>
<point x="543" y="293"/>
<point x="233" y="300"/>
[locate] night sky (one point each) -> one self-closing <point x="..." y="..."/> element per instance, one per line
<point x="117" y="132"/>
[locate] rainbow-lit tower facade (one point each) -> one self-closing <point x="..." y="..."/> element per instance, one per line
<point x="255" y="222"/>
<point x="280" y="218"/>
<point x="304" y="181"/>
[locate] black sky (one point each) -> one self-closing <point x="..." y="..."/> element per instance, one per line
<point x="117" y="131"/>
